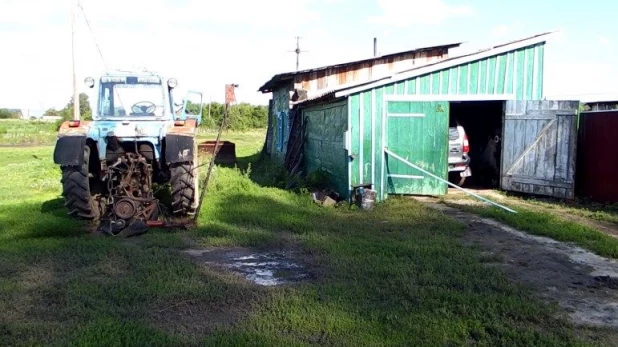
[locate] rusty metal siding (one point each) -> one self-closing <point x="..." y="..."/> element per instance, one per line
<point x="325" y="143"/>
<point x="340" y="75"/>
<point x="518" y="72"/>
<point x="597" y="166"/>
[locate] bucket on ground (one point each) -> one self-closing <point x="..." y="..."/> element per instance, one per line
<point x="365" y="198"/>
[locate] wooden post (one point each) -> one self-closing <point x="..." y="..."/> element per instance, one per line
<point x="75" y="93"/>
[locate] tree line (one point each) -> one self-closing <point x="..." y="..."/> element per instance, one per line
<point x="241" y="116"/>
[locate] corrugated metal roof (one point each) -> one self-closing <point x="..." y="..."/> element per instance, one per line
<point x="275" y="80"/>
<point x="446" y="63"/>
<point x="355" y="87"/>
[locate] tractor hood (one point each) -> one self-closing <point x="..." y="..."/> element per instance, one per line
<point x="128" y="129"/>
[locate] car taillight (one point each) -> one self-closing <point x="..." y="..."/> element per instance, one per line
<point x="466" y="144"/>
<point x="73" y="124"/>
<point x="179" y="123"/>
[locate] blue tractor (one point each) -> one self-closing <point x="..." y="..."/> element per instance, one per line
<point x="138" y="138"/>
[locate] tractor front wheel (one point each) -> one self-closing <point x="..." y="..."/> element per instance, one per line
<point x="76" y="191"/>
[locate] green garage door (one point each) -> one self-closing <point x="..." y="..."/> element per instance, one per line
<point x="417" y="132"/>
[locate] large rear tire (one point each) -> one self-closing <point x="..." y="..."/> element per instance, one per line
<point x="184" y="189"/>
<point x="76" y="191"/>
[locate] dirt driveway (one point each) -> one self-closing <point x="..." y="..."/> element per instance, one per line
<point x="583" y="284"/>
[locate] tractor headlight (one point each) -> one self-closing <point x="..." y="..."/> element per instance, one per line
<point x="89" y="82"/>
<point x="172" y="83"/>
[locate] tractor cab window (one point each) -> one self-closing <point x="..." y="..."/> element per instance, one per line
<point x="131" y="96"/>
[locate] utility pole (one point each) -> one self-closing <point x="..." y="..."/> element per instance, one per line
<point x="74" y="4"/>
<point x="298" y="52"/>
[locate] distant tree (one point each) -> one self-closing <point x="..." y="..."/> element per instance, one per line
<point x="51" y="113"/>
<point x="8" y="114"/>
<point x="192" y="108"/>
<point x="84" y="108"/>
<point x="242" y="116"/>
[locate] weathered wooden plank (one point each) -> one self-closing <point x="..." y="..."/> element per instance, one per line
<point x="464" y="81"/>
<point x="452" y="81"/>
<point x="491" y="75"/>
<point x="474" y="78"/>
<point x="367" y="132"/>
<point x="539" y="151"/>
<point x="435" y="83"/>
<point x="444" y="81"/>
<point x="379" y="114"/>
<point x="355" y="137"/>
<point x="411" y="86"/>
<point x="562" y="154"/>
<point x="501" y="74"/>
<point x="539" y="73"/>
<point x="531" y="133"/>
<point x="525" y="179"/>
<point x="519" y="73"/>
<point x="399" y="88"/>
<point x="425" y="87"/>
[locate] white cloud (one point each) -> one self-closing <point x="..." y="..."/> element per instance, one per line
<point x="403" y="13"/>
<point x="505" y="30"/>
<point x="190" y="40"/>
<point x="605" y="41"/>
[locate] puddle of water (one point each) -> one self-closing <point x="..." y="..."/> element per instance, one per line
<point x="265" y="269"/>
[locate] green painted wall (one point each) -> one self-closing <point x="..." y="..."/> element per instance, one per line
<point x="518" y="72"/>
<point x="325" y="143"/>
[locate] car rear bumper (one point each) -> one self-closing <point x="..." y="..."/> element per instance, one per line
<point x="460" y="165"/>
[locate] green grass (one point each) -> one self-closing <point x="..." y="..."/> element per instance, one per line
<point x="392" y="276"/>
<point x="543" y="223"/>
<point x="595" y="211"/>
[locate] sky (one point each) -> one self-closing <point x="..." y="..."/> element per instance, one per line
<point x="206" y="44"/>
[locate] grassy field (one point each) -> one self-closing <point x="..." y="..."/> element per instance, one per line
<point x="392" y="276"/>
<point x="17" y="132"/>
<point x="543" y="223"/>
<point x="32" y="133"/>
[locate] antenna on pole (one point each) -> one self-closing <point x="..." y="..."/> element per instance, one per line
<point x="74" y="4"/>
<point x="298" y="52"/>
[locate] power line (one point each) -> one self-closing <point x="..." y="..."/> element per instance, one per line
<point x="96" y="42"/>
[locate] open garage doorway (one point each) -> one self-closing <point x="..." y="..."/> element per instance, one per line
<point x="475" y="141"/>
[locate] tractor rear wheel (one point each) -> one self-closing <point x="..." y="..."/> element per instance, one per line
<point x="76" y="191"/>
<point x="184" y="188"/>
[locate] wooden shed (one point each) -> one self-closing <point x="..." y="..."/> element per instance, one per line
<point x="349" y="132"/>
<point x="289" y="88"/>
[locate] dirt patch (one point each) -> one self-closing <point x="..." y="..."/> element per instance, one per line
<point x="583" y="284"/>
<point x="265" y="268"/>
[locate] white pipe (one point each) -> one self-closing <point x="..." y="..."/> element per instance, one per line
<point x="447" y="182"/>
